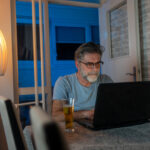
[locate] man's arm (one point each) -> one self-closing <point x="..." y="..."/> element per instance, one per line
<point x="88" y="114"/>
<point x="57" y="112"/>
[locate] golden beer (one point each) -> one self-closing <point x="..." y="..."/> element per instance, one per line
<point x="68" y="113"/>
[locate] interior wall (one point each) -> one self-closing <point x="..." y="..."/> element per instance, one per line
<point x="6" y="81"/>
<point x="3" y="145"/>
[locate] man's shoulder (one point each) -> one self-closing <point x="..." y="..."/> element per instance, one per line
<point x="63" y="86"/>
<point x="66" y="78"/>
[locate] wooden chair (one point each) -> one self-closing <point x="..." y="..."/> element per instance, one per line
<point x="46" y="133"/>
<point x="11" y="125"/>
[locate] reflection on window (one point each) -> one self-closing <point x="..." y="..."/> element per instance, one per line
<point x="25" y="42"/>
<point x="65" y="51"/>
<point x="68" y="39"/>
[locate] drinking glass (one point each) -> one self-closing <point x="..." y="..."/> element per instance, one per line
<point x="68" y="109"/>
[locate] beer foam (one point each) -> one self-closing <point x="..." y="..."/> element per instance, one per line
<point x="67" y="105"/>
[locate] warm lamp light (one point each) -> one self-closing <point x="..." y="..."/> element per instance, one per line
<point x="3" y="54"/>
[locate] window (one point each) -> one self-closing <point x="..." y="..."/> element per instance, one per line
<point x="25" y="42"/>
<point x="119" y="42"/>
<point x="68" y="39"/>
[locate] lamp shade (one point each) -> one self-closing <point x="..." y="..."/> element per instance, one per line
<point x="3" y="54"/>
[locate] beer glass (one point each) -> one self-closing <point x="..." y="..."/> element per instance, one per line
<point x="68" y="109"/>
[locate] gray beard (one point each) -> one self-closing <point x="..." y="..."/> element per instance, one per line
<point x="89" y="77"/>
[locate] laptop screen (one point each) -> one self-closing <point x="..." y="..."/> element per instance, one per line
<point x="120" y="104"/>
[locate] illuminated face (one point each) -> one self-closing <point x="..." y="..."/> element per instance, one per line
<point x="89" y="67"/>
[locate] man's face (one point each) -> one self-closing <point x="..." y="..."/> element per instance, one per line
<point x="89" y="67"/>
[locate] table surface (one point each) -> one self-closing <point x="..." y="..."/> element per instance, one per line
<point x="135" y="137"/>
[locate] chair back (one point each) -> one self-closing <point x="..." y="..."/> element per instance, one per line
<point x="11" y="124"/>
<point x="47" y="133"/>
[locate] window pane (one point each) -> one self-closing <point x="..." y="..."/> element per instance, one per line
<point x="65" y="51"/>
<point x="68" y="40"/>
<point x="25" y="44"/>
<point x="119" y="31"/>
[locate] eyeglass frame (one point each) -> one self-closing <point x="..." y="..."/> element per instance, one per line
<point x="92" y="64"/>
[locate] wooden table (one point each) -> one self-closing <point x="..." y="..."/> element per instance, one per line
<point x="135" y="137"/>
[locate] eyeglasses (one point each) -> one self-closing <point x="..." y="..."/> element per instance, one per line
<point x="91" y="65"/>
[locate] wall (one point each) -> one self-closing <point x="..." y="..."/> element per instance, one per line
<point x="63" y="16"/>
<point x="6" y="81"/>
<point x="59" y="16"/>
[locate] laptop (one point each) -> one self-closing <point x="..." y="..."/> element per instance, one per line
<point x="120" y="104"/>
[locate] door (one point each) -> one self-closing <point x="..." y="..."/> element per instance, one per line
<point x="119" y="34"/>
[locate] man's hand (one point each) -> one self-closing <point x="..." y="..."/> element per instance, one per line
<point x="58" y="114"/>
<point x="88" y="114"/>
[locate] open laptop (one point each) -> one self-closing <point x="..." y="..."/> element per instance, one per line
<point x="120" y="104"/>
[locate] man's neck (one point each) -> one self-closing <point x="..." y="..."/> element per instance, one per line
<point x="83" y="81"/>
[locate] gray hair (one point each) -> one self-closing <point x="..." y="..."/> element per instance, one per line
<point x="89" y="47"/>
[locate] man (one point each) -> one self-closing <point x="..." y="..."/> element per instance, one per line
<point x="82" y="86"/>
